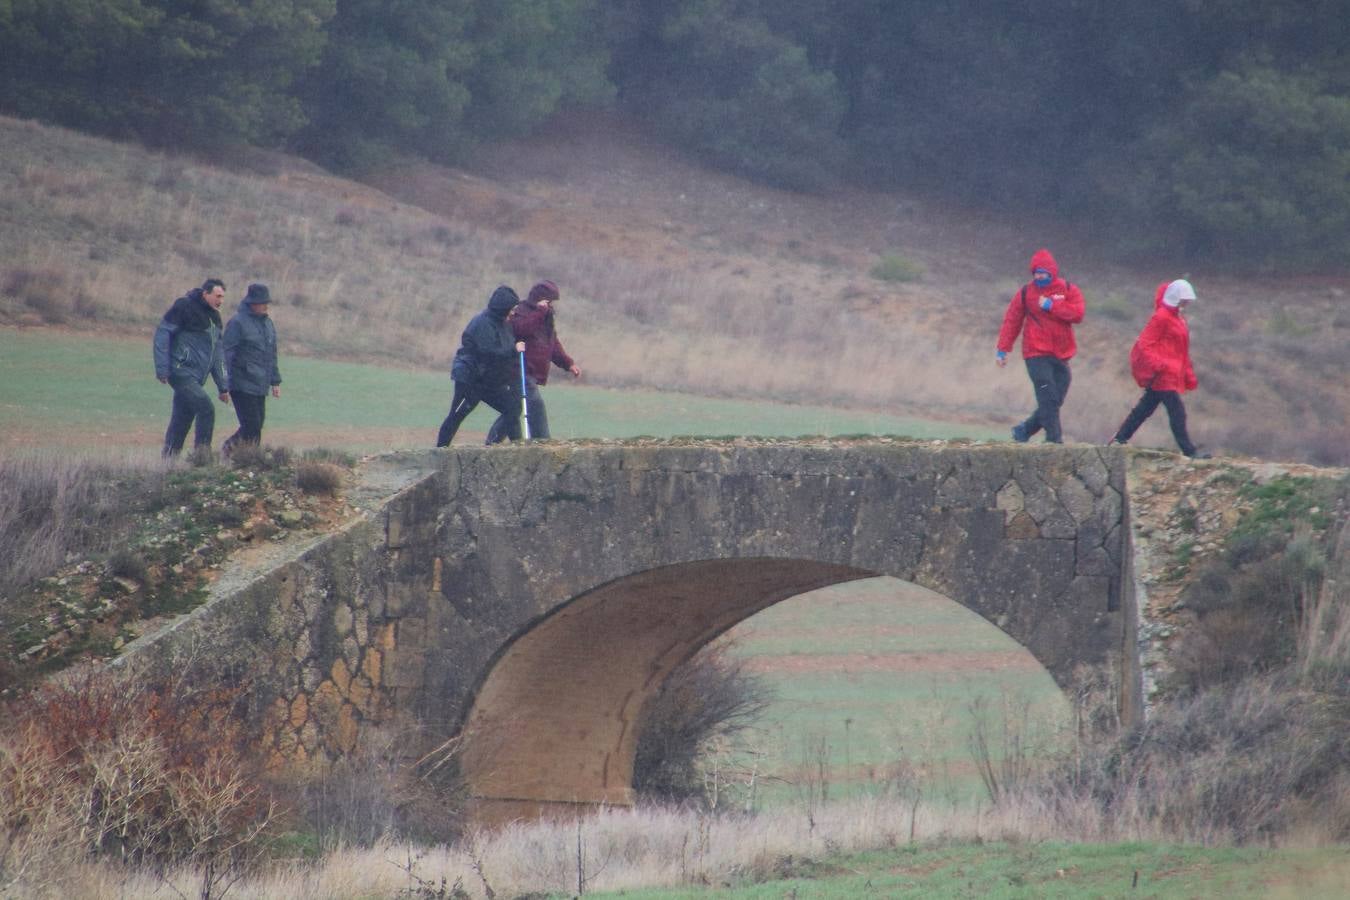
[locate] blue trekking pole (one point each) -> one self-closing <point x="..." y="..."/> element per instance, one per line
<point x="524" y="404"/>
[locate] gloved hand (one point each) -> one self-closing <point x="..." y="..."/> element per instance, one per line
<point x="1046" y="303"/>
<point x="1001" y="357"/>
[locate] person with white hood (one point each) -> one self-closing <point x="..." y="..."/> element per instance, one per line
<point x="1161" y="364"/>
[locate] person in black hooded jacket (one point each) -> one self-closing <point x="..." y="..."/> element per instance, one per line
<point x="485" y="369"/>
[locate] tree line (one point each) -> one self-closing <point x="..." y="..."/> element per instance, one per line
<point x="1217" y="130"/>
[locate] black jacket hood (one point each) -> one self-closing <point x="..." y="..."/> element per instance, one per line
<point x="503" y="300"/>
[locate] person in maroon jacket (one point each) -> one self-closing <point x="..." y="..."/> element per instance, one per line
<point x="533" y="323"/>
<point x="1161" y="364"/>
<point x="1044" y="312"/>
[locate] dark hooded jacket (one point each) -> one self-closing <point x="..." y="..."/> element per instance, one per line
<point x="250" y="347"/>
<point x="487" y="351"/>
<point x="187" y="342"/>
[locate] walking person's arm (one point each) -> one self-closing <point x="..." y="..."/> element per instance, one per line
<point x="218" y="374"/>
<point x="276" y="371"/>
<point x="163" y="349"/>
<point x="1012" y="327"/>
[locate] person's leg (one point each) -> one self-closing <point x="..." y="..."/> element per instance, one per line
<point x="180" y="423"/>
<point x="249" y="409"/>
<point x="1063" y="380"/>
<point x="463" y="403"/>
<point x="1142" y="410"/>
<point x="1176" y="417"/>
<point x="1046" y="378"/>
<point x="190" y="402"/>
<point x="538" y="417"/>
<point x="497" y="433"/>
<point x="205" y="412"/>
<point x="534" y="400"/>
<point x="1023" y="431"/>
<point x="506" y="400"/>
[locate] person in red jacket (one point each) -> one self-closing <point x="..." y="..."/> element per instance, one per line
<point x="533" y="323"/>
<point x="1161" y="364"/>
<point x="1044" y="312"/>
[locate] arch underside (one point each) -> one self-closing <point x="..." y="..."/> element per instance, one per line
<point x="555" y="724"/>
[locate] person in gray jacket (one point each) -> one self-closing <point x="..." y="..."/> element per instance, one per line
<point x="250" y="347"/>
<point x="186" y="350"/>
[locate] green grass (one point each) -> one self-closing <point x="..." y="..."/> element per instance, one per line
<point x="59" y="390"/>
<point x="1005" y="871"/>
<point x="878" y="672"/>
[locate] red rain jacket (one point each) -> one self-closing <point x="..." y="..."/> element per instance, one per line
<point x="1161" y="357"/>
<point x="1047" y="332"/>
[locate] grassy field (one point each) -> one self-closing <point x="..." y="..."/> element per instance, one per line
<point x="886" y="695"/>
<point x="62" y="390"/>
<point x="1045" y="870"/>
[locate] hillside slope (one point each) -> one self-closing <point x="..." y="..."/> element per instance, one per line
<point x="673" y="276"/>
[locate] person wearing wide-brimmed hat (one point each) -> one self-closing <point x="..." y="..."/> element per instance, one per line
<point x="250" y="346"/>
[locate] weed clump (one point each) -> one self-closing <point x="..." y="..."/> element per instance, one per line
<point x="318" y="478"/>
<point x="708" y="698"/>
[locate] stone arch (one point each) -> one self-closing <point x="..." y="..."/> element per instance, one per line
<point x="552" y="724"/>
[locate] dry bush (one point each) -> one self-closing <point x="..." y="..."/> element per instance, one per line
<point x="1240" y="764"/>
<point x="1249" y="608"/>
<point x="709" y="697"/>
<point x="320" y="478"/>
<point x="259" y="458"/>
<point x="100" y="765"/>
<point x="53" y="508"/>
<point x="376" y="792"/>
<point x="1257" y="750"/>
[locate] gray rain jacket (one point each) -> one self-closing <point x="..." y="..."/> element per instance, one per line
<point x="187" y="342"/>
<point x="250" y="347"/>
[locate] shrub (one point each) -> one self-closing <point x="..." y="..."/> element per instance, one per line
<point x="1245" y="763"/>
<point x="374" y="793"/>
<point x="711" y="696"/>
<point x="897" y="268"/>
<point x="127" y="563"/>
<point x="259" y="458"/>
<point x="318" y="478"/>
<point x="326" y="454"/>
<point x="108" y="766"/>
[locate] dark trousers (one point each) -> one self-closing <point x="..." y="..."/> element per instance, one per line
<point x="251" y="410"/>
<point x="1176" y="417"/>
<point x="534" y="408"/>
<point x="505" y="399"/>
<point x="190" y="403"/>
<point x="1050" y="377"/>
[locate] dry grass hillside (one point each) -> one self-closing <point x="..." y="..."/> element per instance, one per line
<point x="673" y="276"/>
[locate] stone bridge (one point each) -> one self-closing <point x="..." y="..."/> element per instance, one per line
<point x="532" y="599"/>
